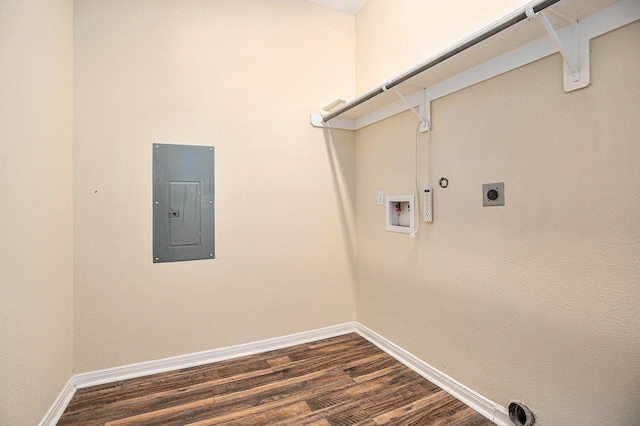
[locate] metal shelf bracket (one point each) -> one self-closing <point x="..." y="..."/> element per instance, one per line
<point x="573" y="48"/>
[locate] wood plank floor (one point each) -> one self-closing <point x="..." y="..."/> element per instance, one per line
<point x="339" y="381"/>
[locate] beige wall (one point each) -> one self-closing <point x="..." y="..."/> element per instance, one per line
<point x="535" y="301"/>
<point x="395" y="35"/>
<point x="36" y="282"/>
<point x="242" y="76"/>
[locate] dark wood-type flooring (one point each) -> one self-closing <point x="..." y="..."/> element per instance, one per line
<point x="339" y="381"/>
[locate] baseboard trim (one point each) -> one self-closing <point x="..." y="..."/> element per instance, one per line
<point x="131" y="371"/>
<point x="502" y="416"/>
<point x="482" y="405"/>
<point x="59" y="405"/>
<point x="487" y="408"/>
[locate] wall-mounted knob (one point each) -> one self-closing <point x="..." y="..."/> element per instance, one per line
<point x="492" y="194"/>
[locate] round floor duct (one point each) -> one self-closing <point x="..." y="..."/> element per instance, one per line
<point x="520" y="415"/>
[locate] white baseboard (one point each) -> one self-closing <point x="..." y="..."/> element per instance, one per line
<point x="59" y="405"/>
<point x="487" y="408"/>
<point x="502" y="416"/>
<point x="482" y="405"/>
<point x="184" y="361"/>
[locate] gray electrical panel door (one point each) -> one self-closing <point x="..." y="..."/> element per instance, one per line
<point x="183" y="203"/>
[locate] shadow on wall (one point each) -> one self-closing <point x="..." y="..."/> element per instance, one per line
<point x="340" y="146"/>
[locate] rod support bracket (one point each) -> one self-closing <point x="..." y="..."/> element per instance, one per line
<point x="571" y="45"/>
<point x="530" y="13"/>
<point x="424" y="108"/>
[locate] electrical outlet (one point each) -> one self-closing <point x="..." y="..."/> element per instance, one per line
<point x="493" y="194"/>
<point x="428" y="205"/>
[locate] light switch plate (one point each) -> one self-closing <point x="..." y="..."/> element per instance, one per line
<point x="493" y="194"/>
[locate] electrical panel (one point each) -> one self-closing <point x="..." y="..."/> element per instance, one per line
<point x="183" y="203"/>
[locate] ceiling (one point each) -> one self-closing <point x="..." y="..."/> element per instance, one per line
<point x="349" y="6"/>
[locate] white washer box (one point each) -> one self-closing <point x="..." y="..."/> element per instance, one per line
<point x="400" y="213"/>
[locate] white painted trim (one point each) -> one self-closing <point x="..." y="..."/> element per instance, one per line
<point x="487" y="408"/>
<point x="482" y="405"/>
<point x="390" y="110"/>
<point x="131" y="371"/>
<point x="59" y="405"/>
<point x="501" y="416"/>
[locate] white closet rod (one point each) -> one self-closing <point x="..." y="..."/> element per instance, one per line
<point x="440" y="58"/>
